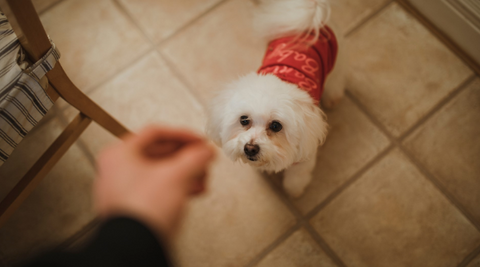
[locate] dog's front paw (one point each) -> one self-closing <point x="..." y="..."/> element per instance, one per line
<point x="295" y="192"/>
<point x="295" y="185"/>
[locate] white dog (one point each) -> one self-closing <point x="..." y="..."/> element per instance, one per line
<point x="271" y="119"/>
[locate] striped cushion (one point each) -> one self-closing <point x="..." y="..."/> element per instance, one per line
<point x="23" y="100"/>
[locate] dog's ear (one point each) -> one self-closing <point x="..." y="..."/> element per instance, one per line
<point x="215" y="121"/>
<point x="314" y="129"/>
<point x="318" y="124"/>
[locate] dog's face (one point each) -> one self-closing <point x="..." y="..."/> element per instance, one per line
<point x="266" y="122"/>
<point x="259" y="137"/>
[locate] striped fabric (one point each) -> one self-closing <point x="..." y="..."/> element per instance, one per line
<point x="23" y="100"/>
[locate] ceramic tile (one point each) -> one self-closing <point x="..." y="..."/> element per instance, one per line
<point x="298" y="250"/>
<point x="352" y="141"/>
<point x="347" y="14"/>
<point x="448" y="145"/>
<point x="393" y="216"/>
<point x="160" y="19"/>
<point x="57" y="208"/>
<point x="239" y="217"/>
<point x="217" y="48"/>
<point x="399" y="70"/>
<point x="42" y="5"/>
<point x="95" y="39"/>
<point x="475" y="262"/>
<point x="146" y="93"/>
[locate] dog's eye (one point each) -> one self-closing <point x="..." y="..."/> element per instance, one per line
<point x="276" y="126"/>
<point x="244" y="120"/>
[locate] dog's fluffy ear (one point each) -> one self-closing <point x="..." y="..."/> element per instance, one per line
<point x="314" y="130"/>
<point x="215" y="121"/>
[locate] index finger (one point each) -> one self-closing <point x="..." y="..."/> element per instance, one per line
<point x="159" y="141"/>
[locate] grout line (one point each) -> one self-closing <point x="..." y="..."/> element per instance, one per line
<point x="140" y="57"/>
<point x="260" y="256"/>
<point x="463" y="85"/>
<point x="92" y="225"/>
<point x="367" y="19"/>
<point x="416" y="125"/>
<point x="371" y="117"/>
<point x="182" y="79"/>
<point x="469" y="257"/>
<point x="102" y="82"/>
<point x="116" y="73"/>
<point x="191" y="22"/>
<point x="305" y="224"/>
<point x="134" y="61"/>
<point x="349" y="182"/>
<point x="95" y="87"/>
<point x="156" y="48"/>
<point x="321" y="242"/>
<point x="440" y="35"/>
<point x="123" y="9"/>
<point x="430" y="177"/>
<point x="132" y="20"/>
<point x="286" y="201"/>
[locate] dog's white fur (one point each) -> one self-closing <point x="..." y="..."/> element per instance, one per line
<point x="266" y="98"/>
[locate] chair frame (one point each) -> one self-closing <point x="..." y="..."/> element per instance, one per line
<point x="27" y="26"/>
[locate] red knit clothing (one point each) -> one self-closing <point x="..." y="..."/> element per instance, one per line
<point x="305" y="66"/>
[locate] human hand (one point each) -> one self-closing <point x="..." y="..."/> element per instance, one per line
<point x="151" y="175"/>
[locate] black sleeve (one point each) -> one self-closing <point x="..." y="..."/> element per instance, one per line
<point x="119" y="242"/>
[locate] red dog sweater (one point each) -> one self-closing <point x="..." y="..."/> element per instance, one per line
<point x="300" y="64"/>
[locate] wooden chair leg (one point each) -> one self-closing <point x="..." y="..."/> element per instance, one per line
<point x="68" y="91"/>
<point x="43" y="165"/>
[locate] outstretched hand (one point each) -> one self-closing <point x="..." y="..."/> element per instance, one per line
<point x="151" y="175"/>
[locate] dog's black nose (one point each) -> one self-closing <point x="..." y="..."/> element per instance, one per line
<point x="251" y="150"/>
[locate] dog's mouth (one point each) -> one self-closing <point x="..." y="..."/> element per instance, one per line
<point x="252" y="159"/>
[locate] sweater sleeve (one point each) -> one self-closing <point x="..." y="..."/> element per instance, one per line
<point x="120" y="242"/>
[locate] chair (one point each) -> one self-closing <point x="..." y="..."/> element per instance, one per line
<point x="29" y="30"/>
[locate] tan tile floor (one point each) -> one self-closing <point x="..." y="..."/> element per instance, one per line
<point x="397" y="182"/>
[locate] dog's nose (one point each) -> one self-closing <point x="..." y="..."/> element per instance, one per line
<point x="251" y="150"/>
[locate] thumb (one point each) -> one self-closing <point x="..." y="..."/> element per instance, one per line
<point x="192" y="160"/>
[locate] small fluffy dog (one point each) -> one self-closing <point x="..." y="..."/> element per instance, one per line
<point x="271" y="119"/>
